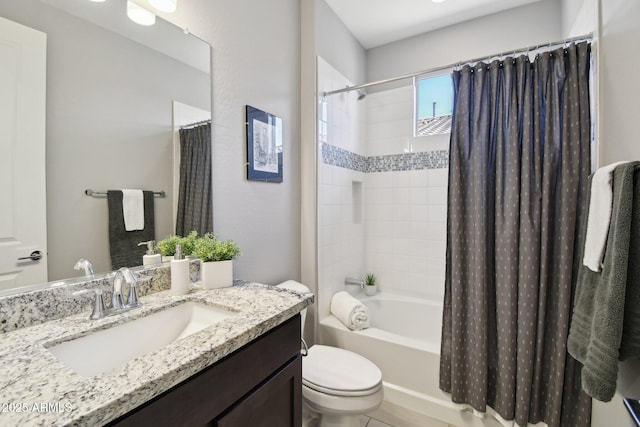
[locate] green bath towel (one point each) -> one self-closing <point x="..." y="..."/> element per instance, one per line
<point x="605" y="326"/>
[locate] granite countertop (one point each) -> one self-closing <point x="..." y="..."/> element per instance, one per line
<point x="37" y="389"/>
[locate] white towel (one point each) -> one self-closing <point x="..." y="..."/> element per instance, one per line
<point x="350" y="311"/>
<point x="599" y="217"/>
<point x="133" y="209"/>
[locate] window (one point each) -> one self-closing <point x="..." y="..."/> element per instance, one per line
<point x="434" y="105"/>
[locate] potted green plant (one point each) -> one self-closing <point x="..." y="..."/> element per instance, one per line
<point x="167" y="246"/>
<point x="216" y="260"/>
<point x="370" y="284"/>
<point x="189" y="244"/>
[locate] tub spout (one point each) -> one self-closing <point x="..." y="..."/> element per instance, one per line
<point x="349" y="281"/>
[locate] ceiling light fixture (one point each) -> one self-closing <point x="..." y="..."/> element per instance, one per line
<point x="164" y="5"/>
<point x="98" y="1"/>
<point x="438" y="1"/>
<point x="140" y="15"/>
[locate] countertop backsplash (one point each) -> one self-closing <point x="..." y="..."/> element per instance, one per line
<point x="58" y="300"/>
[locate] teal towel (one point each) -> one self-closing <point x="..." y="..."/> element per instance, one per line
<point x="605" y="326"/>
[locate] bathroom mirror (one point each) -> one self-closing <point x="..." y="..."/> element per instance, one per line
<point x="116" y="94"/>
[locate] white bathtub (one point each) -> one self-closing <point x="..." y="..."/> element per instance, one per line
<point x="404" y="341"/>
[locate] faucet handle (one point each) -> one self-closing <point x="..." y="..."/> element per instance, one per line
<point x="99" y="307"/>
<point x="116" y="297"/>
<point x="133" y="300"/>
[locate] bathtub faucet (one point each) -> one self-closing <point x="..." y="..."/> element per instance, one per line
<point x="351" y="281"/>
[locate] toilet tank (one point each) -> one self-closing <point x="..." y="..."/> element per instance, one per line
<point x="298" y="287"/>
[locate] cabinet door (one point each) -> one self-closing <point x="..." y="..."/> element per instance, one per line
<point x="276" y="402"/>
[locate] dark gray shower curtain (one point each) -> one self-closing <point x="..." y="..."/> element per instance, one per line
<point x="195" y="208"/>
<point x="519" y="161"/>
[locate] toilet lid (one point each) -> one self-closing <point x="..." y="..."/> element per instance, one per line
<point x="334" y="370"/>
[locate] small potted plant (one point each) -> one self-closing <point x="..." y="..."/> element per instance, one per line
<point x="189" y="244"/>
<point x="370" y="284"/>
<point x="167" y="246"/>
<point x="216" y="260"/>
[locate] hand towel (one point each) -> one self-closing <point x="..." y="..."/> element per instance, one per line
<point x="123" y="245"/>
<point x="600" y="206"/>
<point x="133" y="209"/>
<point x="605" y="324"/>
<point x="350" y="311"/>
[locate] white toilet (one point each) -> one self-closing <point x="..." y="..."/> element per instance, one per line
<point x="337" y="385"/>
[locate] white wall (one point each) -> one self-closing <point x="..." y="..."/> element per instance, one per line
<point x="336" y="45"/>
<point x="513" y="29"/>
<point x="256" y="61"/>
<point x="619" y="87"/>
<point x="579" y="17"/>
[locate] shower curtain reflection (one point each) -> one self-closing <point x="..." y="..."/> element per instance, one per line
<point x="195" y="208"/>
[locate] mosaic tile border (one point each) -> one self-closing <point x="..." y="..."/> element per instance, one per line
<point x="336" y="156"/>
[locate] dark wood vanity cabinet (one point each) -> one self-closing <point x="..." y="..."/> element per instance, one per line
<point x="259" y="385"/>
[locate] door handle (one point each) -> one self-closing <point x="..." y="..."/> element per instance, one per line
<point x="35" y="256"/>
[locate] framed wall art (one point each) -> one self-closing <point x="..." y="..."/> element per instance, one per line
<point x="264" y="146"/>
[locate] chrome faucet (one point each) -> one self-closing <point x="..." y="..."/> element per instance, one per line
<point x="117" y="301"/>
<point x="351" y="281"/>
<point x="86" y="265"/>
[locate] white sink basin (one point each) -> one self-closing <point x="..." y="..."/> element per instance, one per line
<point x="108" y="349"/>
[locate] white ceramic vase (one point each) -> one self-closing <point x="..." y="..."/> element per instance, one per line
<point x="216" y="274"/>
<point x="370" y="289"/>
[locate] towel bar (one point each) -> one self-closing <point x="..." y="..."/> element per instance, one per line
<point x="90" y="192"/>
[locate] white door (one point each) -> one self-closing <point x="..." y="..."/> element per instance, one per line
<point x="23" y="216"/>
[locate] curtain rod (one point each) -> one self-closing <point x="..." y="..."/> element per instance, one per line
<point x="196" y="124"/>
<point x="586" y="37"/>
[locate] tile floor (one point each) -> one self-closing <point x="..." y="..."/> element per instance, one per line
<point x="372" y="422"/>
<point x="389" y="415"/>
<point x="366" y="421"/>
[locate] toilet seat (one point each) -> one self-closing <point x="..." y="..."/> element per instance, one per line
<point x="340" y="372"/>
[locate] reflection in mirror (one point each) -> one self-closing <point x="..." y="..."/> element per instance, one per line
<point x="116" y="95"/>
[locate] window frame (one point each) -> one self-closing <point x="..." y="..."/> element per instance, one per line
<point x="416" y="94"/>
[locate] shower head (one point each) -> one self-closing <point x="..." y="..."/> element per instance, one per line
<point x="361" y="94"/>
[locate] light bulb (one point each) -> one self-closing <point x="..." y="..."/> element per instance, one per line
<point x="140" y="15"/>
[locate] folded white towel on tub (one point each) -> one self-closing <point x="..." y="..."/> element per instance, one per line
<point x="350" y="311"/>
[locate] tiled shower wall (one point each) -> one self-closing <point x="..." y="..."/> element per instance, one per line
<point x="381" y="193"/>
<point x="341" y="123"/>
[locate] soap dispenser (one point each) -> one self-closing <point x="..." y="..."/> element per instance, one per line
<point x="180" y="278"/>
<point x="152" y="258"/>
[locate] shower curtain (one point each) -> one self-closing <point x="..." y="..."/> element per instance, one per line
<point x="195" y="206"/>
<point x="519" y="161"/>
